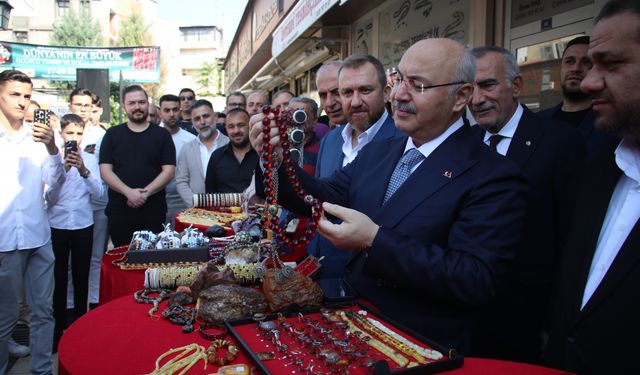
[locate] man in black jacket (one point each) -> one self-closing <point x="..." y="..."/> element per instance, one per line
<point x="595" y="325"/>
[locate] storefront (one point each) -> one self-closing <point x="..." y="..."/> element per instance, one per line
<point x="315" y="31"/>
<point x="537" y="31"/>
<point x="286" y="41"/>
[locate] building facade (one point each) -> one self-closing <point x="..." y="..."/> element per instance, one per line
<point x="281" y="43"/>
<point x="200" y="45"/>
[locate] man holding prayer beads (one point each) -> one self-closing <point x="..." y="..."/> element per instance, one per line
<point x="432" y="219"/>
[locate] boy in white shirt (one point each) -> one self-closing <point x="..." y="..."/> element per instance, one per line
<point x="71" y="220"/>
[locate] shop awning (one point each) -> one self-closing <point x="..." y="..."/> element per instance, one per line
<point x="299" y="19"/>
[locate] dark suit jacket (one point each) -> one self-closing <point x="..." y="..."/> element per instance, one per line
<point x="595" y="139"/>
<point x="446" y="236"/>
<point x="330" y="159"/>
<point x="330" y="154"/>
<point x="603" y="337"/>
<point x="550" y="154"/>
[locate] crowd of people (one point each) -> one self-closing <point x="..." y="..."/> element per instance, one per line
<point x="515" y="238"/>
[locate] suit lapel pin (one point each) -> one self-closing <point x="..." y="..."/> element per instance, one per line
<point x="528" y="143"/>
<point x="448" y="174"/>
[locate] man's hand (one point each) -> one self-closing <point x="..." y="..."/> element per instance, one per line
<point x="256" y="136"/>
<point x="74" y="159"/>
<point x="44" y="134"/>
<point x="356" y="231"/>
<point x="136" y="197"/>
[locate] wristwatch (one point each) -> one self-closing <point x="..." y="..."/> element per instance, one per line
<point x="85" y="173"/>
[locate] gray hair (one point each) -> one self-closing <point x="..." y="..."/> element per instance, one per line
<point x="465" y="71"/>
<point x="312" y="103"/>
<point x="510" y="64"/>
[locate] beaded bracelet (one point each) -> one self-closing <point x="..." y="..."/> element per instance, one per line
<point x="141" y="296"/>
<point x="212" y="352"/>
<point x="212" y="336"/>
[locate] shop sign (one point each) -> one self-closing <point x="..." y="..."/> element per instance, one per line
<point x="263" y="17"/>
<point x="138" y="64"/>
<point x="231" y="66"/>
<point x="301" y="17"/>
<point x="245" y="45"/>
<point x="527" y="11"/>
<point x="363" y="36"/>
<point x="404" y="22"/>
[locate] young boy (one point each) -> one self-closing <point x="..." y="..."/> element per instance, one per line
<point x="71" y="220"/>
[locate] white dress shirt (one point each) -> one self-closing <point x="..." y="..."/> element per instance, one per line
<point x="427" y="148"/>
<point x="621" y="217"/>
<point x="205" y="153"/>
<point x="367" y="136"/>
<point x="507" y="132"/>
<point x="92" y="135"/>
<point x="69" y="199"/>
<point x="24" y="166"/>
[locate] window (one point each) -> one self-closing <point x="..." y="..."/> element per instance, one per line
<point x="21" y="36"/>
<point x="85" y="6"/>
<point x="197" y="35"/>
<point x="62" y="7"/>
<point x="4" y="17"/>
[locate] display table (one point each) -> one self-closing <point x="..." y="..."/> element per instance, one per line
<point x="120" y="338"/>
<point x="116" y="282"/>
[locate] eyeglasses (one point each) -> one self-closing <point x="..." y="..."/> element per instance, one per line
<point x="236" y="105"/>
<point x="418" y="87"/>
<point x="190" y="97"/>
<point x="78" y="105"/>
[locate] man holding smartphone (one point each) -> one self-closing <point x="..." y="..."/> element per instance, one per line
<point x="26" y="255"/>
<point x="85" y="104"/>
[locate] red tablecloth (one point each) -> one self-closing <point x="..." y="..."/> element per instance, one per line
<point x="115" y="282"/>
<point x="120" y="338"/>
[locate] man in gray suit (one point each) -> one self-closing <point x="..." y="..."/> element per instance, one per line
<point x="194" y="156"/>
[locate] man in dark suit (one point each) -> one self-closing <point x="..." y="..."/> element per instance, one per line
<point x="595" y="325"/>
<point x="362" y="77"/>
<point x="431" y="249"/>
<point x="575" y="109"/>
<point x="549" y="154"/>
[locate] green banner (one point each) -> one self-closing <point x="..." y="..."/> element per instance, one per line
<point x="137" y="64"/>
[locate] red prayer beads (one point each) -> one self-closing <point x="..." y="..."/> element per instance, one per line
<point x="271" y="219"/>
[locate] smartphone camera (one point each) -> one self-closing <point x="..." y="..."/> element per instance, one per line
<point x="41" y="116"/>
<point x="70" y="146"/>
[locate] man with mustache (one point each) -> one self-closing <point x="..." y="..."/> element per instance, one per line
<point x="550" y="154"/>
<point x="353" y="93"/>
<point x="137" y="161"/>
<point x="597" y="294"/>
<point x="327" y="84"/>
<point x="195" y="155"/>
<point x="575" y="109"/>
<point x="170" y="118"/>
<point x="231" y="167"/>
<point x="431" y="219"/>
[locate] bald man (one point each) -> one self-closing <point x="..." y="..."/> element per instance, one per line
<point x="432" y="219"/>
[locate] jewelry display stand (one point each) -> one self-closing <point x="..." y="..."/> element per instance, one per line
<point x="321" y="341"/>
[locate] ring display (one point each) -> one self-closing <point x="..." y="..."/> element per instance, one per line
<point x="349" y="339"/>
